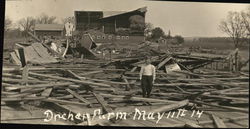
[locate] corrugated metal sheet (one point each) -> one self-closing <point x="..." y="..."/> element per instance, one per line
<point x="49" y="27"/>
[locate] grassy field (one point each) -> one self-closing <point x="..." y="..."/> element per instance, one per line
<point x="220" y="46"/>
<point x="9" y="43"/>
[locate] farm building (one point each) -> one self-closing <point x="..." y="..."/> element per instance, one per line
<point x="113" y="26"/>
<point x="56" y="30"/>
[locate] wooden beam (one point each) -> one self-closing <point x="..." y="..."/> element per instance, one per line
<point x="72" y="74"/>
<point x="223" y="107"/>
<point x="21" y="99"/>
<point x="138" y="98"/>
<point x="43" y="85"/>
<point x="192" y="125"/>
<point x="63" y="101"/>
<point x="133" y="69"/>
<point x="218" y="122"/>
<point x="71" y="80"/>
<point x="92" y="72"/>
<point x="127" y="86"/>
<point x="20" y="80"/>
<point x="211" y="121"/>
<point x="47" y="92"/>
<point x="171" y="106"/>
<point x="15" y="76"/>
<point x="25" y="75"/>
<point x="104" y="104"/>
<point x="79" y="97"/>
<point x="163" y="62"/>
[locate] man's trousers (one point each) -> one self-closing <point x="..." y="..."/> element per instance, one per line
<point x="146" y="85"/>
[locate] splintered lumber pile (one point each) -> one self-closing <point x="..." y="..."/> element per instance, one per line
<point x="88" y="85"/>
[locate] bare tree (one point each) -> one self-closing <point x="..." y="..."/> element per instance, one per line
<point x="148" y="29"/>
<point x="234" y="27"/>
<point x="7" y="24"/>
<point x="246" y="19"/>
<point x="26" y="24"/>
<point x="45" y="19"/>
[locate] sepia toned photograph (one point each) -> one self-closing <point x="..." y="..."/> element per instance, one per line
<point x="126" y="63"/>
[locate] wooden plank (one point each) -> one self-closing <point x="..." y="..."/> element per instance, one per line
<point x="64" y="101"/>
<point x="163" y="62"/>
<point x="218" y="122"/>
<point x="133" y="69"/>
<point x="171" y="106"/>
<point x="15" y="76"/>
<point x="138" y="98"/>
<point x="72" y="80"/>
<point x="19" y="45"/>
<point x="79" y="97"/>
<point x="211" y="121"/>
<point x="15" y="58"/>
<point x="20" y="80"/>
<point x="25" y="74"/>
<point x="43" y="85"/>
<point x="106" y="81"/>
<point x="104" y="104"/>
<point x="72" y="74"/>
<point x="127" y="86"/>
<point x="224" y="107"/>
<point x="47" y="92"/>
<point x="224" y="97"/>
<point x="21" y="99"/>
<point x="92" y="72"/>
<point x="192" y="125"/>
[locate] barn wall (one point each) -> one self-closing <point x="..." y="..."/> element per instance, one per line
<point x="88" y="19"/>
<point x="110" y="38"/>
<point x="109" y="26"/>
<point x="48" y="33"/>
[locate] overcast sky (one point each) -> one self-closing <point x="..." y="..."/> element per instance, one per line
<point x="189" y="19"/>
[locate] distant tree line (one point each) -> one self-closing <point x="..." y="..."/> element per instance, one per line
<point x="27" y="24"/>
<point x="157" y="33"/>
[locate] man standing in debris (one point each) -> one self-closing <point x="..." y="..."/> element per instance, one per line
<point x="147" y="77"/>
